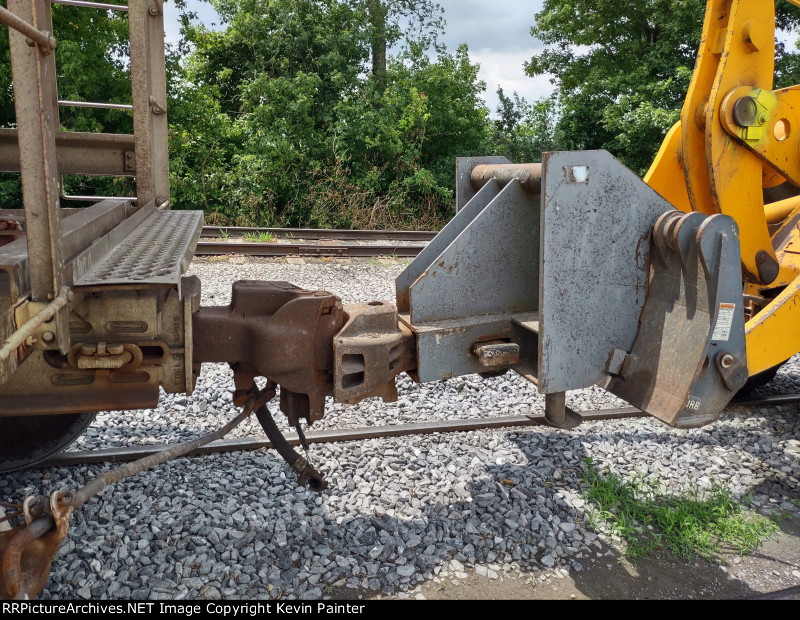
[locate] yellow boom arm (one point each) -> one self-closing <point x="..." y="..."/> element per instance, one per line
<point x="737" y="136"/>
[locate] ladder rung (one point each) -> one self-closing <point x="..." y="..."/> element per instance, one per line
<point x="92" y="5"/>
<point x="96" y="198"/>
<point x="91" y="104"/>
<point x="12" y="20"/>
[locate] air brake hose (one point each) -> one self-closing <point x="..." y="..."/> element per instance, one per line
<point x="306" y="474"/>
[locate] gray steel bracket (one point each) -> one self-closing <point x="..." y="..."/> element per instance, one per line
<point x="471" y="280"/>
<point x="562" y="283"/>
<point x="689" y="359"/>
<point x="465" y="190"/>
<point x="597" y="219"/>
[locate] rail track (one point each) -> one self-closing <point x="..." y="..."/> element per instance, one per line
<point x="316" y="234"/>
<point x="217" y="248"/>
<point x="220" y="240"/>
<point x="244" y="241"/>
<point x="132" y="453"/>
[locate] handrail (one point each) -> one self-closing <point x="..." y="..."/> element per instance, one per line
<point x="45" y="40"/>
<point x="96" y="198"/>
<point x="92" y="5"/>
<point x="92" y="104"/>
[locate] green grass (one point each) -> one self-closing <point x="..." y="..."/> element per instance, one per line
<point x="695" y="523"/>
<point x="223" y="233"/>
<point x="259" y="237"/>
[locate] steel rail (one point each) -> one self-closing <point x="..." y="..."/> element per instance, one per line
<point x="244" y="444"/>
<point x="241" y="232"/>
<point x="236" y="232"/>
<point x="216" y="248"/>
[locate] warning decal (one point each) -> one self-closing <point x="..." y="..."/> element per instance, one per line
<point x="722" y="330"/>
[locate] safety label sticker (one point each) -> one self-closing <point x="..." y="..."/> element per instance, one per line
<point x="722" y="330"/>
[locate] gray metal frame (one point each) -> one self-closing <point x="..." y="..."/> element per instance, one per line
<point x="35" y="99"/>
<point x="143" y="154"/>
<point x="594" y="263"/>
<point x="549" y="266"/>
<point x="477" y="281"/>
<point x="41" y="152"/>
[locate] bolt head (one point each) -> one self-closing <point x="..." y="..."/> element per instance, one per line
<point x="745" y="111"/>
<point x="755" y="35"/>
<point x="48" y="336"/>
<point x="727" y="360"/>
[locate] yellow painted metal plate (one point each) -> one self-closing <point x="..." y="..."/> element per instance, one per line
<point x="735" y="173"/>
<point x="773" y="335"/>
<point x="693" y="114"/>
<point x="777" y="141"/>
<point x="666" y="174"/>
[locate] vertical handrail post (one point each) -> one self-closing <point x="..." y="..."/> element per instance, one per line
<point x="149" y="85"/>
<point x="35" y="100"/>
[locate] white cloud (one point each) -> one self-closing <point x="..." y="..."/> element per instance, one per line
<point x="505" y="69"/>
<point x="502" y="25"/>
<point x="205" y="15"/>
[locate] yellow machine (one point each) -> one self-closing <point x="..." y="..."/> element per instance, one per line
<point x="736" y="136"/>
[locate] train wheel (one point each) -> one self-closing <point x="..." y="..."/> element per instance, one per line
<point x="27" y="440"/>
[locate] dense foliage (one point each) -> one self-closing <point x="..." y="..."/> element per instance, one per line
<point x="348" y="113"/>
<point x="622" y="68"/>
<point x="89" y="68"/>
<point x="298" y="130"/>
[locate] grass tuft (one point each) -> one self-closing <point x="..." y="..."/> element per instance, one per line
<point x="695" y="523"/>
<point x="259" y="237"/>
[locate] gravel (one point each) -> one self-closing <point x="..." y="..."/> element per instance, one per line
<point x="399" y="511"/>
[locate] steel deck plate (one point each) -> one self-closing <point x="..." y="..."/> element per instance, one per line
<point x="157" y="251"/>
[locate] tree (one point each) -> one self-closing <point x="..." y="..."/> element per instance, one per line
<point x="523" y="131"/>
<point x="92" y="46"/>
<point x="278" y="118"/>
<point x="296" y="112"/>
<point x="423" y="21"/>
<point x="253" y="113"/>
<point x="622" y="68"/>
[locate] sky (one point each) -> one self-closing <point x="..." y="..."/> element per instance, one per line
<point x="499" y="39"/>
<point x="498" y="36"/>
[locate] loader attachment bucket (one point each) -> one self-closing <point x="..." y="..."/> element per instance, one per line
<point x="574" y="273"/>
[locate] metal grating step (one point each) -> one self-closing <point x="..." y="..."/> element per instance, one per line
<point x="157" y="251"/>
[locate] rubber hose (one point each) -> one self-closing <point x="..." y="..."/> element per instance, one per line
<point x="306" y="473"/>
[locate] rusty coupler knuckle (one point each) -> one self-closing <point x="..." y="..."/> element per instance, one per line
<point x="307" y="343"/>
<point x="277" y="331"/>
<point x="372" y="348"/>
<point x="310" y="346"/>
